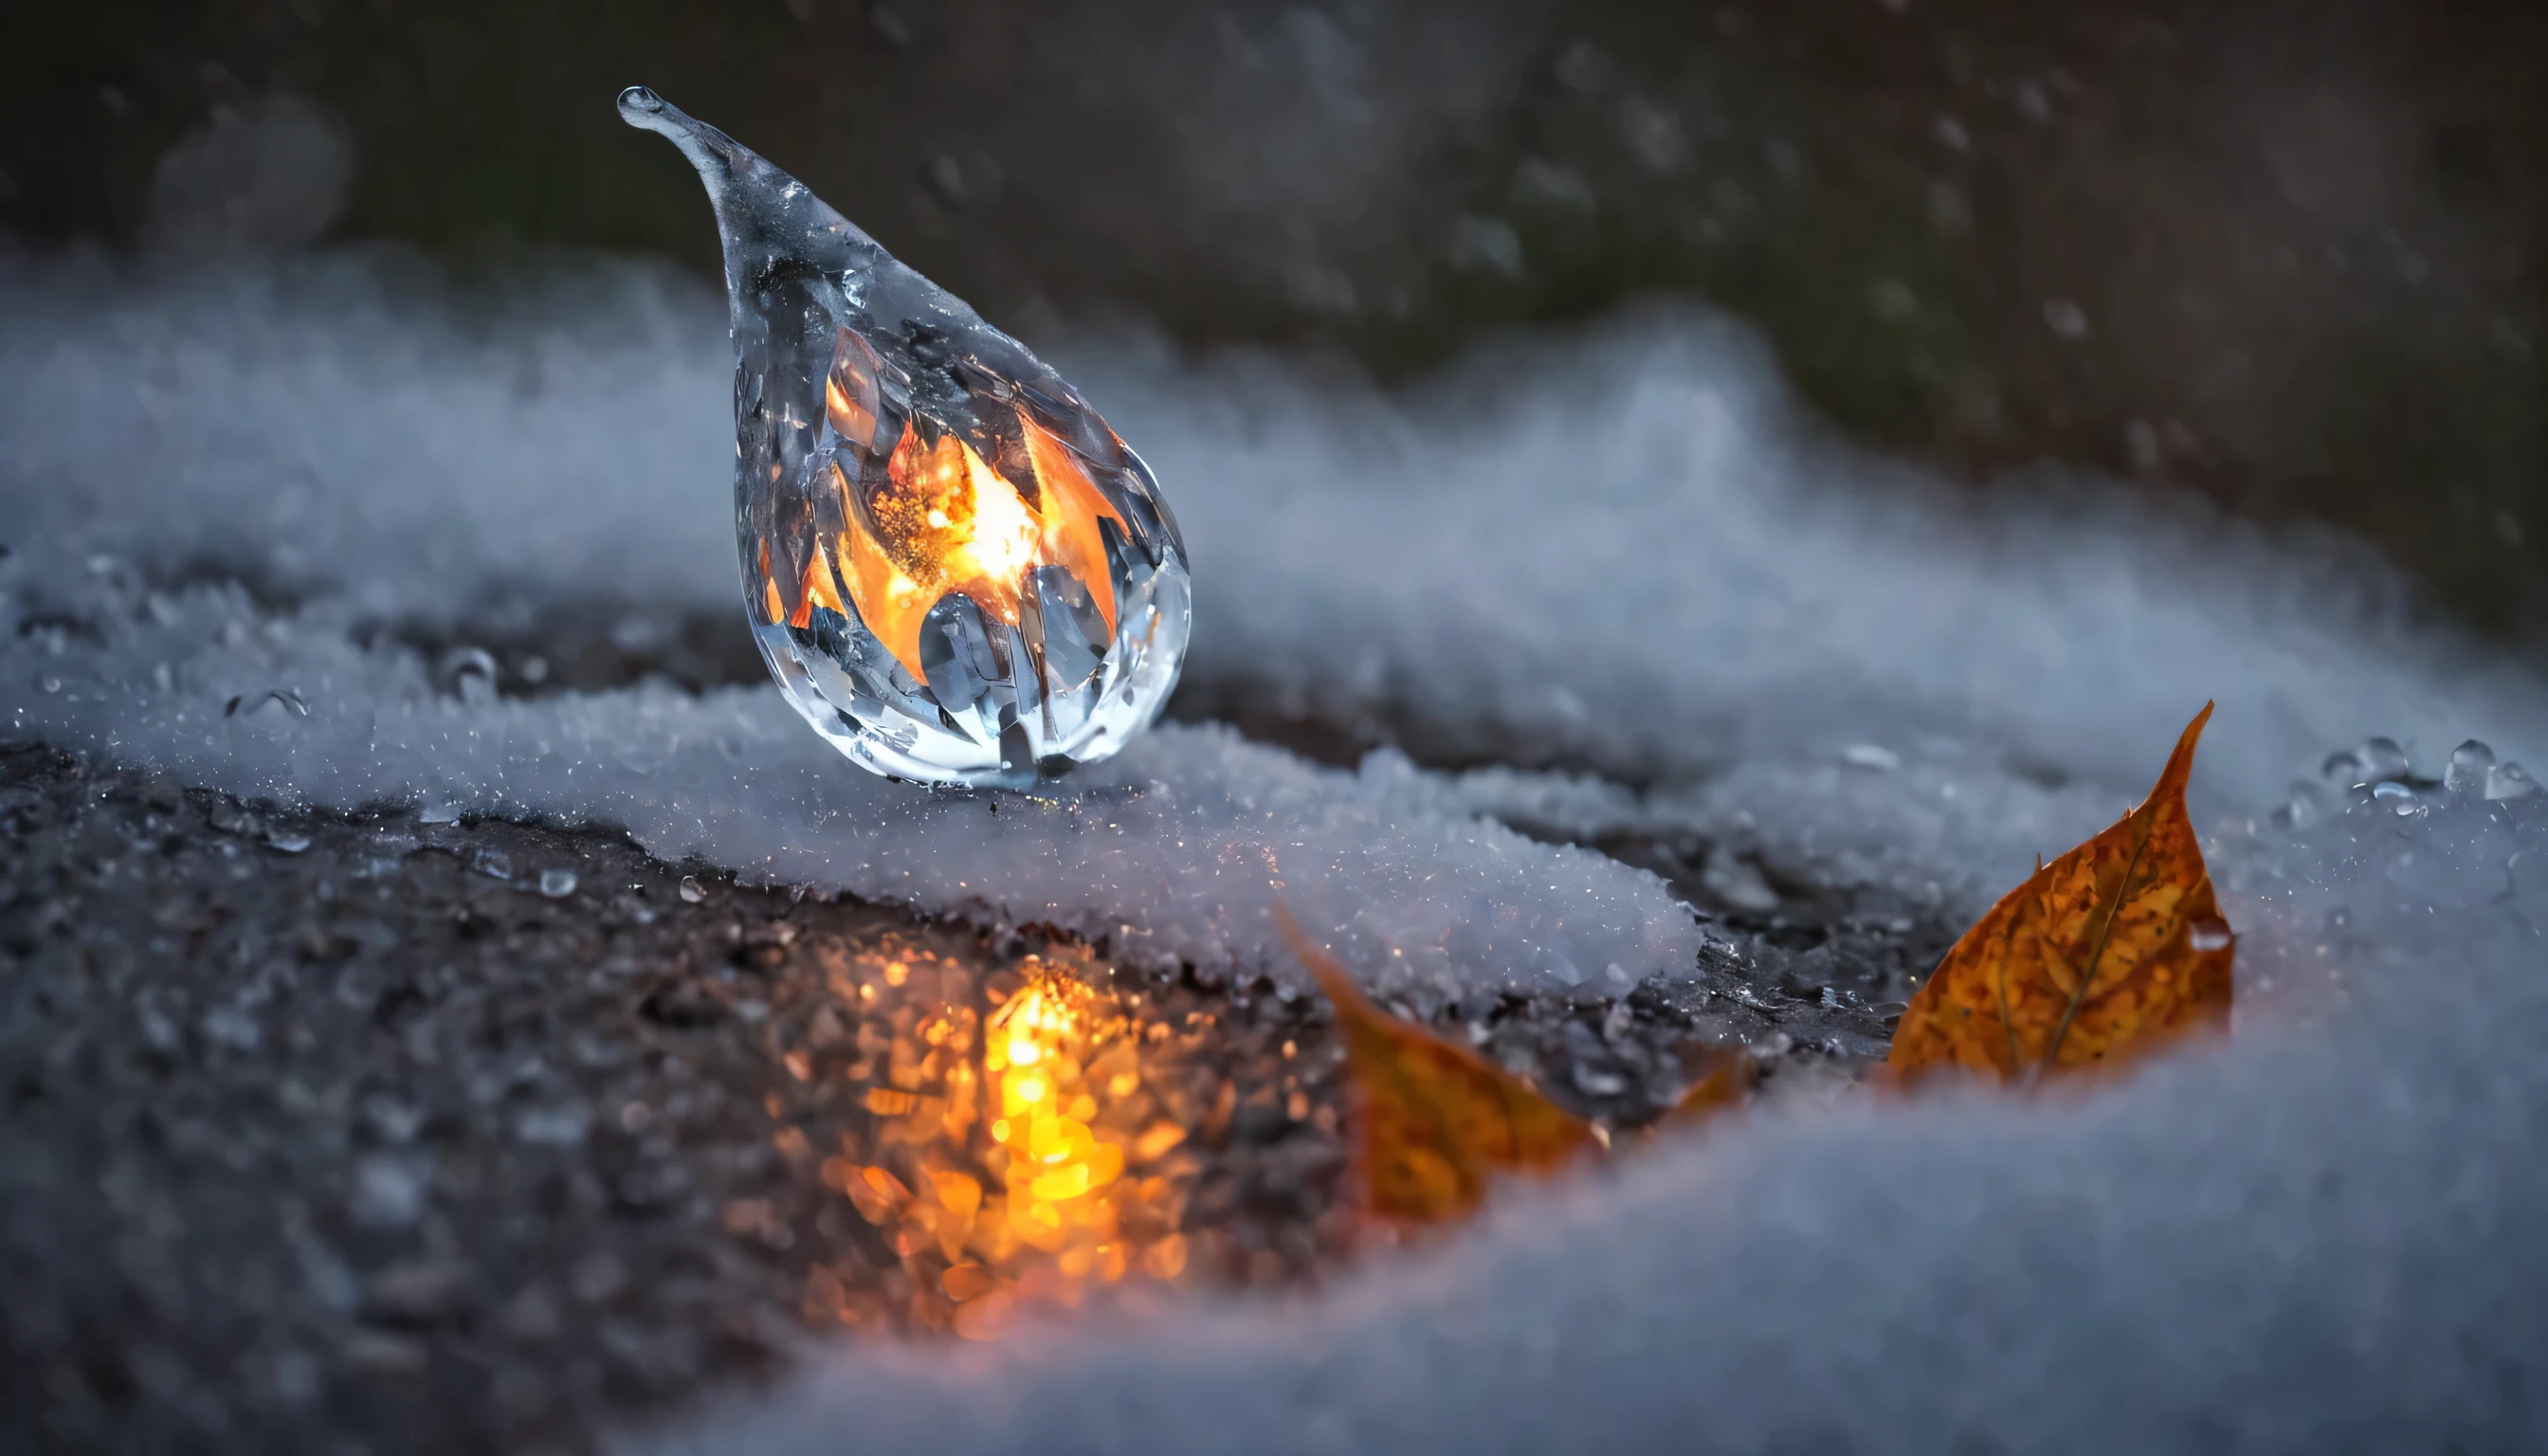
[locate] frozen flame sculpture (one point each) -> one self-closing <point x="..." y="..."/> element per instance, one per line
<point x="955" y="570"/>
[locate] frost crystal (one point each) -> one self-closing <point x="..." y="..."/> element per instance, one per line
<point x="955" y="570"/>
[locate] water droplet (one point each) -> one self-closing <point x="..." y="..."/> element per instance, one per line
<point x="1594" y="1081"/>
<point x="468" y="674"/>
<point x="1872" y="756"/>
<point x="289" y="842"/>
<point x="557" y="885"/>
<point x="491" y="862"/>
<point x="987" y="588"/>
<point x="1738" y="882"/>
<point x="2211" y="933"/>
<point x="273" y="705"/>
<point x="691" y="890"/>
<point x="2467" y="771"/>
<point x="2382" y="761"/>
<point x="50" y="682"/>
<point x="2509" y="780"/>
<point x="2396" y="796"/>
<point x="442" y="813"/>
<point x="2306" y="805"/>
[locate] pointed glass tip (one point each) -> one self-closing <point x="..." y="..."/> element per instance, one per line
<point x="956" y="570"/>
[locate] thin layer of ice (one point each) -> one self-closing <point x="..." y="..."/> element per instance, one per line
<point x="2322" y="1238"/>
<point x="1175" y="852"/>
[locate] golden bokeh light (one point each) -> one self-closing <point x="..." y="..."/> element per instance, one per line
<point x="1031" y="1138"/>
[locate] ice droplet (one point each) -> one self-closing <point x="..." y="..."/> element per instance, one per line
<point x="288" y="842"/>
<point x="2398" y="796"/>
<point x="494" y="863"/>
<point x="557" y="885"/>
<point x="388" y="1192"/>
<point x="2211" y="933"/>
<point x="1738" y="882"/>
<point x="445" y="813"/>
<point x="2509" y="780"/>
<point x="955" y="570"/>
<point x="2468" y="768"/>
<point x="469" y="673"/>
<point x="1594" y="1081"/>
<point x="2382" y="761"/>
<point x="692" y="892"/>
<point x="2305" y="806"/>
<point x="274" y="705"/>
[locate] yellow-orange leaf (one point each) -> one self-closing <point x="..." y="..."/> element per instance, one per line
<point x="1437" y="1120"/>
<point x="2107" y="951"/>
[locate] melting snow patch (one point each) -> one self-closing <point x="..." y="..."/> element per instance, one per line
<point x="1618" y="554"/>
<point x="2322" y="1237"/>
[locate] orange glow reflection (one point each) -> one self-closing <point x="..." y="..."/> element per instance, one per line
<point x="945" y="520"/>
<point x="1019" y="1155"/>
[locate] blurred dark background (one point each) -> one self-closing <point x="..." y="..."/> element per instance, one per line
<point x="2287" y="255"/>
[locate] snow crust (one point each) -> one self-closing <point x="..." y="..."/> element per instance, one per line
<point x="344" y="446"/>
<point x="1624" y="553"/>
<point x="1619" y="555"/>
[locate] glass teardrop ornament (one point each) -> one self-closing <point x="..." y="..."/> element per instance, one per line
<point x="955" y="570"/>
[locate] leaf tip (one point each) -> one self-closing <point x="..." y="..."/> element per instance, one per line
<point x="1322" y="967"/>
<point x="2180" y="763"/>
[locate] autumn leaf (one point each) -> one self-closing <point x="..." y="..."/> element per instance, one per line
<point x="1437" y="1120"/>
<point x="2113" y="949"/>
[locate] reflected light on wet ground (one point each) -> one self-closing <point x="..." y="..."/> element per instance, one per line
<point x="1001" y="1137"/>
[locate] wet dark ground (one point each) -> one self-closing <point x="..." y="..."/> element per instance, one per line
<point x="352" y="1133"/>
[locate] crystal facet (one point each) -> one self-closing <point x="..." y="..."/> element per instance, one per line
<point x="955" y="570"/>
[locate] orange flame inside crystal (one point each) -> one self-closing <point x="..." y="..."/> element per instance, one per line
<point x="947" y="521"/>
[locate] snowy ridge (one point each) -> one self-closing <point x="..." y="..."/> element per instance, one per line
<point x="407" y="496"/>
<point x="1174" y="851"/>
<point x="1624" y="549"/>
<point x="1620" y="552"/>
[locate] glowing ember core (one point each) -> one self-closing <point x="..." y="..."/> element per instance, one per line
<point x="946" y="521"/>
